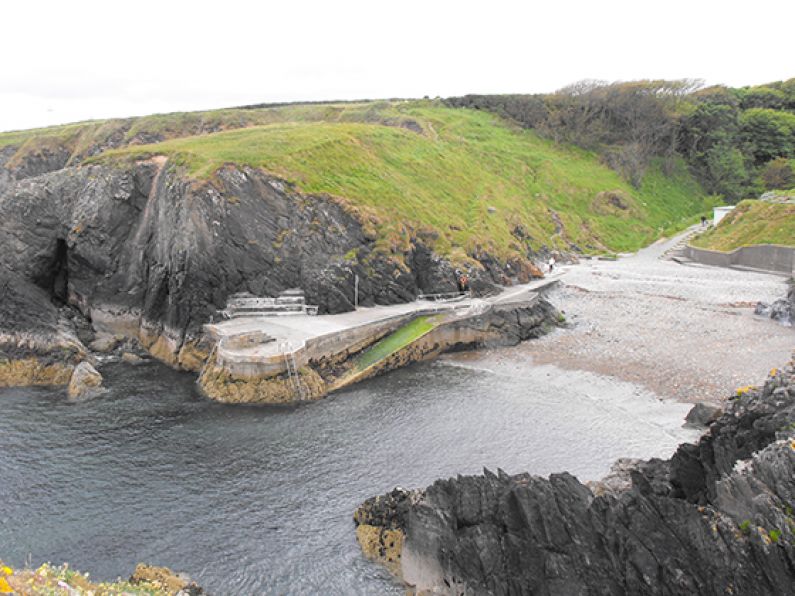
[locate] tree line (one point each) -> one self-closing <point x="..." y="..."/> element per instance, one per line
<point x="738" y="142"/>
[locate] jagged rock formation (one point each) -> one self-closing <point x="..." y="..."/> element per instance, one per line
<point x="145" y="252"/>
<point x="38" y="344"/>
<point x="782" y="310"/>
<point x="717" y="518"/>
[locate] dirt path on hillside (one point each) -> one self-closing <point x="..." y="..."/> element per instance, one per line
<point x="683" y="332"/>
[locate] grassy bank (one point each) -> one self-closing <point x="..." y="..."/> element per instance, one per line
<point x="752" y="222"/>
<point x="466" y="180"/>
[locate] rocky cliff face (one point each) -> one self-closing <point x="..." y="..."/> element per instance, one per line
<point x="717" y="518"/>
<point x="144" y="251"/>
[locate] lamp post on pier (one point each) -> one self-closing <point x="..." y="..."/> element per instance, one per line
<point x="355" y="287"/>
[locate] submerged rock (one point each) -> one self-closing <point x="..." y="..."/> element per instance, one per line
<point x="86" y="382"/>
<point x="717" y="518"/>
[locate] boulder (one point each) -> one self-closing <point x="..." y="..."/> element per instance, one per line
<point x="131" y="358"/>
<point x="782" y="310"/>
<point x="85" y="382"/>
<point x="703" y="414"/>
<point x="163" y="579"/>
<point x="104" y="343"/>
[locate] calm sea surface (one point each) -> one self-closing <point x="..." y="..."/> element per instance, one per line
<point x="259" y="500"/>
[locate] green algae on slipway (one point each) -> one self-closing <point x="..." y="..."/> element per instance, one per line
<point x="394" y="342"/>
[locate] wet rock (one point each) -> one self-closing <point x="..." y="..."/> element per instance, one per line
<point x="105" y="343"/>
<point x="131" y="358"/>
<point x="86" y="382"/>
<point x="618" y="480"/>
<point x="38" y="346"/>
<point x="714" y="519"/>
<point x="703" y="414"/>
<point x="162" y="578"/>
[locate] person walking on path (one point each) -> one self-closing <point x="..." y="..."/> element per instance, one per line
<point x="551" y="264"/>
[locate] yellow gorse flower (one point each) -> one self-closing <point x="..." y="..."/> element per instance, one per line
<point x="5" y="571"/>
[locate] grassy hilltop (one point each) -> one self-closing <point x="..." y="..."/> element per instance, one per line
<point x="465" y="180"/>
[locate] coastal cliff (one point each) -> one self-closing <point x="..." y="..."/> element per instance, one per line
<point x="144" y="227"/>
<point x="717" y="518"/>
<point x="146" y="253"/>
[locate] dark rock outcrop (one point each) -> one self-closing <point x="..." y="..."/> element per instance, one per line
<point x="38" y="344"/>
<point x="782" y="310"/>
<point x="717" y="518"/>
<point x="703" y="414"/>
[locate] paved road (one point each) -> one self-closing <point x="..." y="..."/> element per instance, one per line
<point x="682" y="331"/>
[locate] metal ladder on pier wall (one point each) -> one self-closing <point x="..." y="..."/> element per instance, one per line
<point x="293" y="378"/>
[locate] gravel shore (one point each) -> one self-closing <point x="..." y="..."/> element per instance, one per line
<point x="685" y="332"/>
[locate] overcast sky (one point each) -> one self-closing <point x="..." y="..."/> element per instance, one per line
<point x="65" y="61"/>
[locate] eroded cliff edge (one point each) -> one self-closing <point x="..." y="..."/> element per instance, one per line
<point x="717" y="518"/>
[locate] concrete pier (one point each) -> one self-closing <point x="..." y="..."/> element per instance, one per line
<point x="287" y="358"/>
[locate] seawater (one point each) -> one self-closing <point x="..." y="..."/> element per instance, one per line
<point x="259" y="500"/>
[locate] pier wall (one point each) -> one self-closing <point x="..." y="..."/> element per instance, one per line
<point x="325" y="362"/>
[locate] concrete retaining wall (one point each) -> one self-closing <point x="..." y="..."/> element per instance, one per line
<point x="769" y="257"/>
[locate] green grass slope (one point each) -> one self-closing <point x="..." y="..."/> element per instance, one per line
<point x="78" y="137"/>
<point x="466" y="180"/>
<point x="751" y="222"/>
